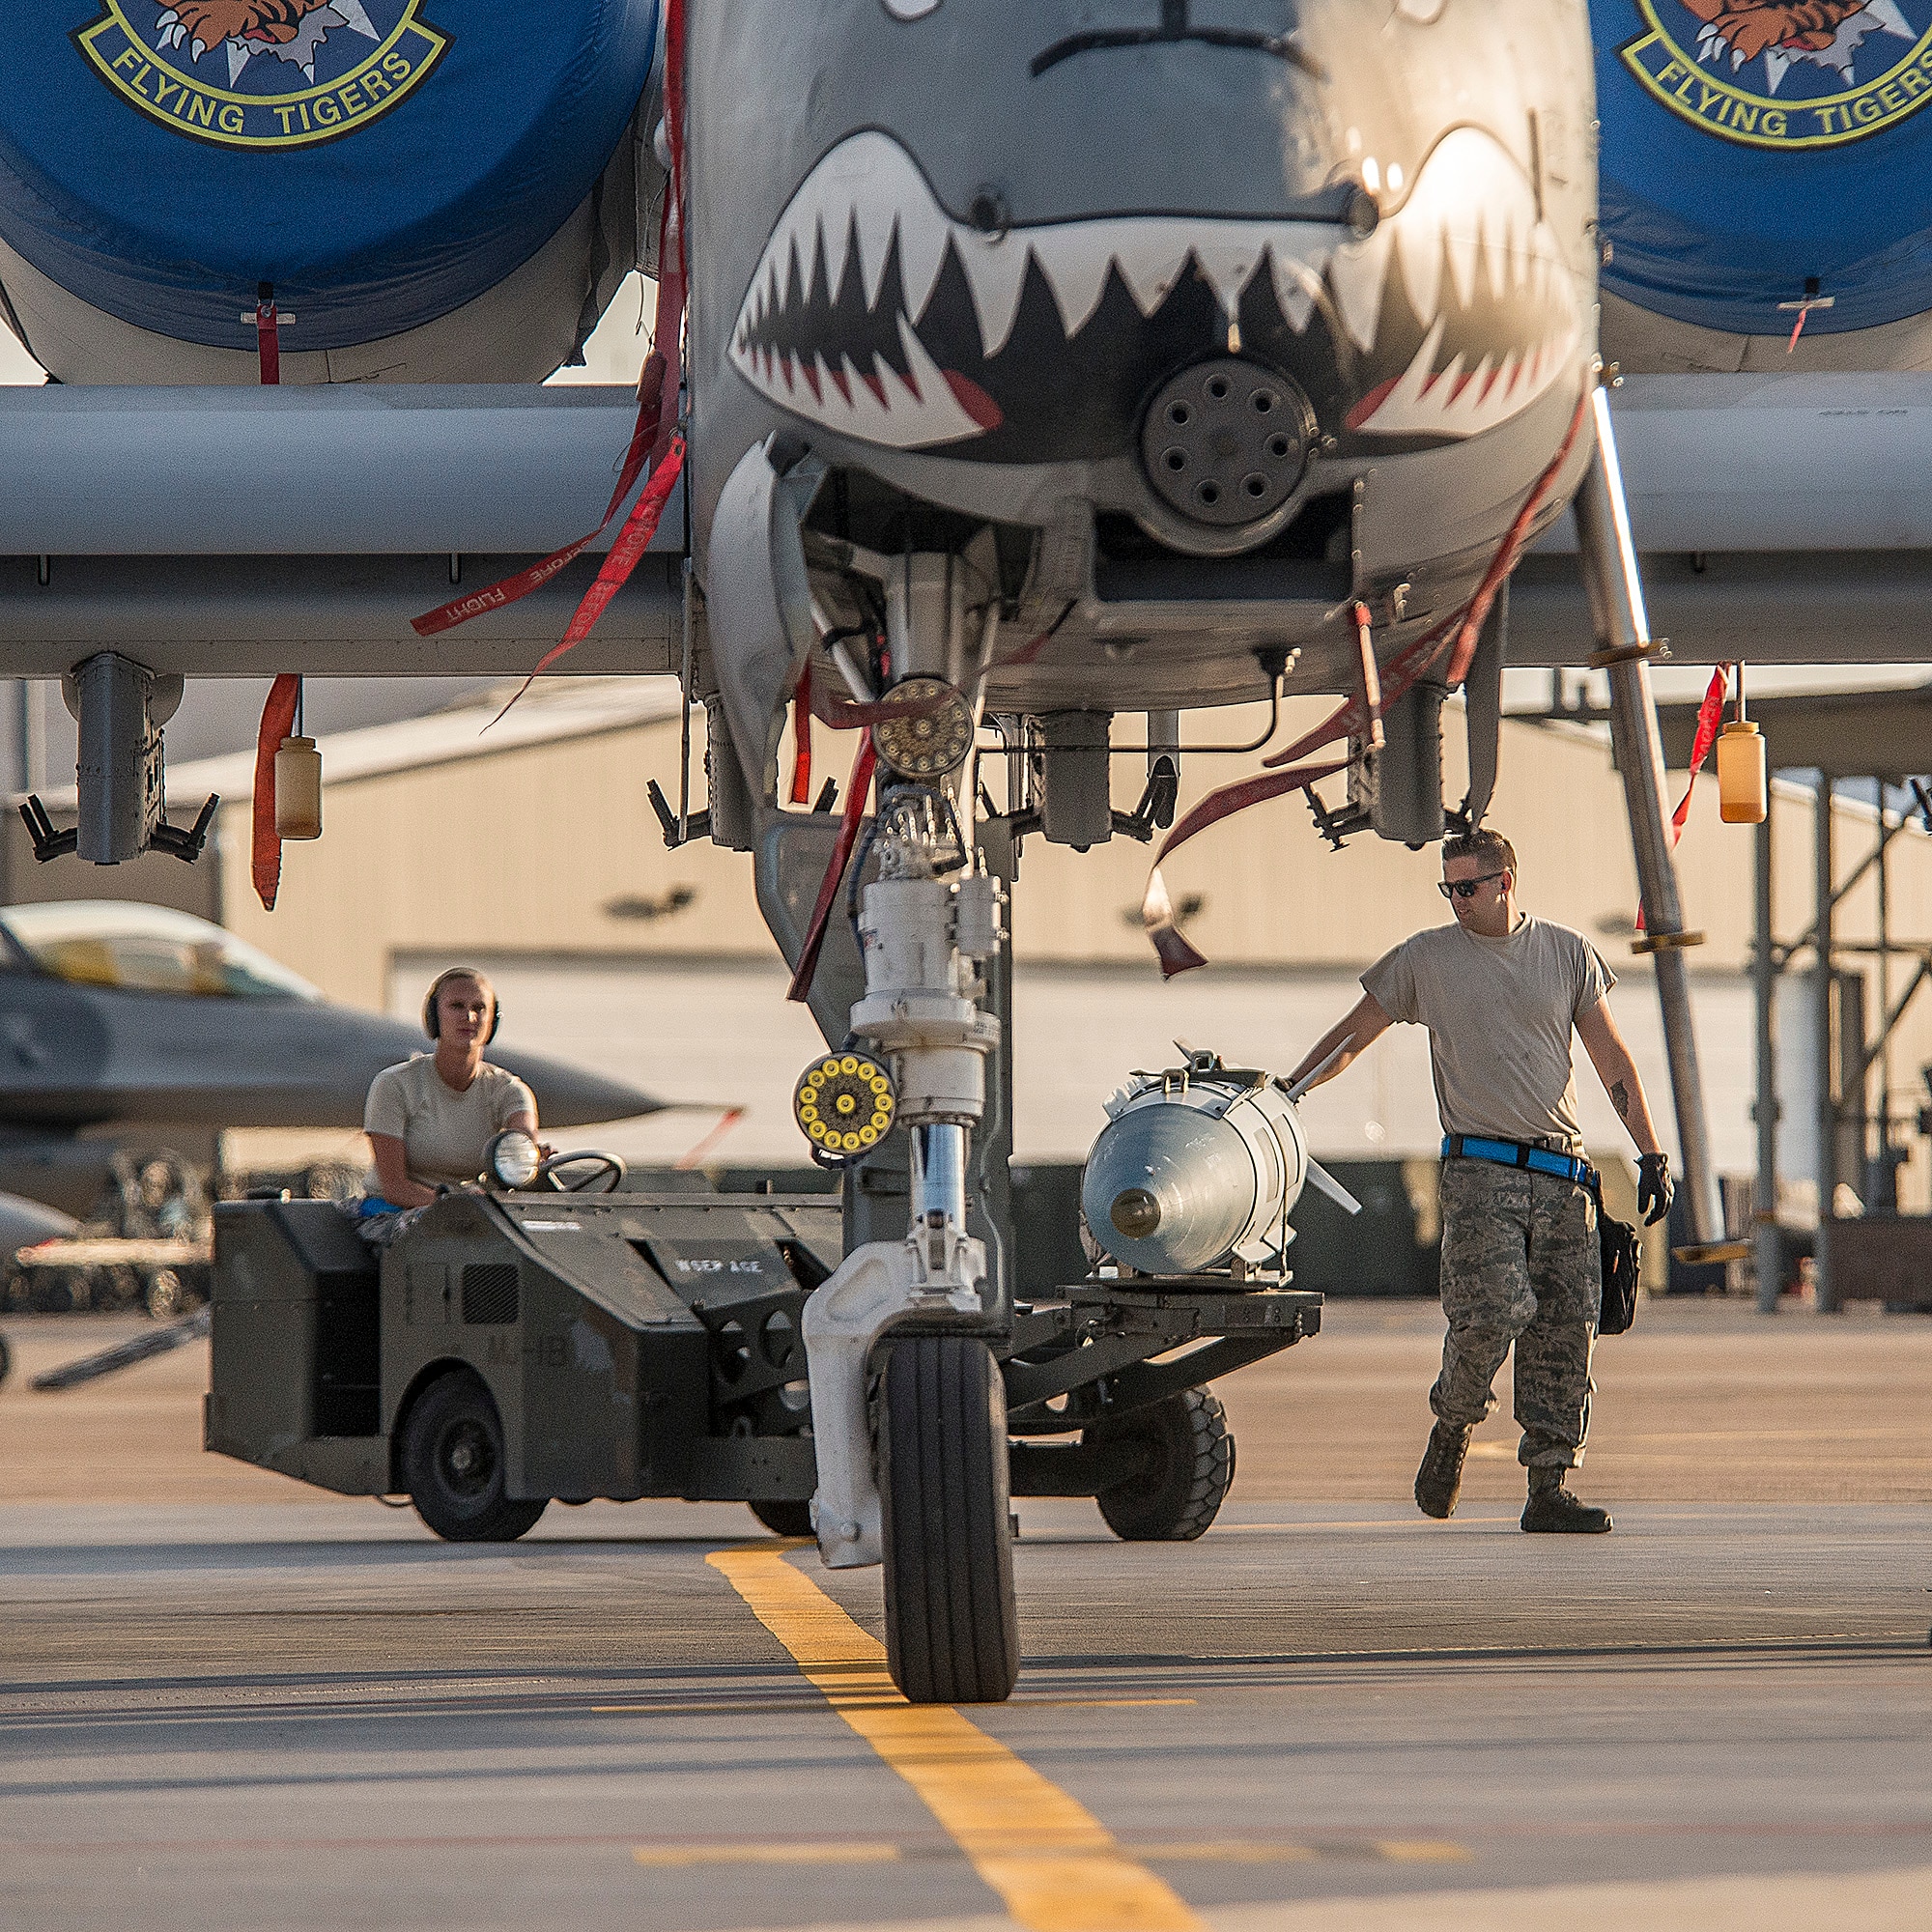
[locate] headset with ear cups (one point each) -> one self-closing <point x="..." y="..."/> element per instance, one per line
<point x="433" y="1020"/>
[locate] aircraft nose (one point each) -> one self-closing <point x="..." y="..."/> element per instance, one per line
<point x="300" y="1063"/>
<point x="1177" y="27"/>
<point x="572" y="1097"/>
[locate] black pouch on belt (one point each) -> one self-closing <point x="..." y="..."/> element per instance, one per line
<point x="1622" y="1256"/>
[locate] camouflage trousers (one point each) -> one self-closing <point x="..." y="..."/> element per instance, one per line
<point x="1519" y="1264"/>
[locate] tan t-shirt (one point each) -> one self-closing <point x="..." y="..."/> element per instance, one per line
<point x="443" y="1132"/>
<point x="1499" y="1012"/>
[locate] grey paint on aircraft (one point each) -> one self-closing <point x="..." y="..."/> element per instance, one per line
<point x="337" y="615"/>
<point x="310" y="471"/>
<point x="96" y="1058"/>
<point x="963" y="277"/>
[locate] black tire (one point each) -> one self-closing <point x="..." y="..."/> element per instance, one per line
<point x="783" y="1515"/>
<point x="952" y="1629"/>
<point x="1188" y="1463"/>
<point x="453" y="1464"/>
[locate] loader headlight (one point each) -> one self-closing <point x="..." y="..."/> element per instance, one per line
<point x="512" y="1159"/>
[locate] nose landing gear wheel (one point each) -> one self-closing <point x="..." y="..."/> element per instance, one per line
<point x="1188" y="1462"/>
<point x="453" y="1465"/>
<point x="952" y="1630"/>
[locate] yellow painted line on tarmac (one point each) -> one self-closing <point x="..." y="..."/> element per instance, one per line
<point x="1058" y="1868"/>
<point x="766" y="1854"/>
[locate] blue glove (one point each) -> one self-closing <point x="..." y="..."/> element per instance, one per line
<point x="1654" y="1189"/>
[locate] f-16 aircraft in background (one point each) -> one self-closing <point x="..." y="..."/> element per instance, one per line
<point x="121" y="1021"/>
<point x="1046" y="361"/>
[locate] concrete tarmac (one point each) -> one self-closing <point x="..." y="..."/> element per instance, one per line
<point x="227" y="1702"/>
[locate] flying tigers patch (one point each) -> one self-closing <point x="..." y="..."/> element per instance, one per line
<point x="263" y="73"/>
<point x="1805" y="73"/>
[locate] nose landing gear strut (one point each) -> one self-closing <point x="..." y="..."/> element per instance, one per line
<point x="898" y="1337"/>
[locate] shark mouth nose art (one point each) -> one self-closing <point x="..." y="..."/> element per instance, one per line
<point x="878" y="314"/>
<point x="1484" y="277"/>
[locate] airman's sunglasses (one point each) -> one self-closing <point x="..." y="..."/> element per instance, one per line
<point x="1463" y="889"/>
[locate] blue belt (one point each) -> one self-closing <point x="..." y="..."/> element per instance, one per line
<point x="1518" y="1153"/>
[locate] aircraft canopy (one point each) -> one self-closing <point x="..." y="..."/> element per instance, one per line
<point x="146" y="948"/>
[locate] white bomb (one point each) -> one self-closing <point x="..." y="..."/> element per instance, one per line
<point x="1198" y="1167"/>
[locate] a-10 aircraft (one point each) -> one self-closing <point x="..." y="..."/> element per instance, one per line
<point x="1046" y="361"/>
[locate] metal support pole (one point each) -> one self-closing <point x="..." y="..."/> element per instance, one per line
<point x="24" y="779"/>
<point x="1770" y="1242"/>
<point x="1622" y="629"/>
<point x="1823" y="1061"/>
<point x="993" y="1144"/>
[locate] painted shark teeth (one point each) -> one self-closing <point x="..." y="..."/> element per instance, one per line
<point x="1469" y="243"/>
<point x="996" y="274"/>
<point x="831" y="324"/>
<point x="867" y="199"/>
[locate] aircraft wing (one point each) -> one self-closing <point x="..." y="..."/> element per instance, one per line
<point x="265" y="527"/>
<point x="1783" y="517"/>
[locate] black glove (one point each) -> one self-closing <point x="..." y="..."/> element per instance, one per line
<point x="1654" y="1188"/>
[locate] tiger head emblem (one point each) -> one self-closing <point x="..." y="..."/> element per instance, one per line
<point x="290" y="30"/>
<point x="1826" y="33"/>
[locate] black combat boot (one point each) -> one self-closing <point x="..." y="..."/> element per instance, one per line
<point x="1439" y="1479"/>
<point x="1552" y="1509"/>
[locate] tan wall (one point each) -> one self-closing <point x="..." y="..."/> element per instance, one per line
<point x="521" y="851"/>
<point x="526" y="851"/>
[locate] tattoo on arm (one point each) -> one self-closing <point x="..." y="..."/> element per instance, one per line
<point x="1620" y="1099"/>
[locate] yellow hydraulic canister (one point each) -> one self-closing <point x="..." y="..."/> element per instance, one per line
<point x="1742" y="794"/>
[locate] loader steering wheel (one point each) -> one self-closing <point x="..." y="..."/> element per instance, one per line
<point x="609" y="1168"/>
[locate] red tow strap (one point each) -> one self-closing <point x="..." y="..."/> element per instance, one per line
<point x="1504" y="560"/>
<point x="268" y="336"/>
<point x="801" y="739"/>
<point x="639" y="527"/>
<point x="520" y="583"/>
<point x="279" y="714"/>
<point x="1358" y="717"/>
<point x="278" y="719"/>
<point x="1175" y="953"/>
<point x="654" y="438"/>
<point x="1710" y="720"/>
<point x="857" y="786"/>
<point x="1409" y="664"/>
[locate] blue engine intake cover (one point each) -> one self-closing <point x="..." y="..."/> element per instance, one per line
<point x="380" y="161"/>
<point x="1748" y="148"/>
